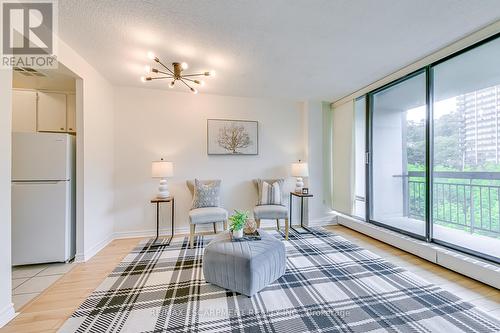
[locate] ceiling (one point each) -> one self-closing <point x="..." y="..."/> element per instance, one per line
<point x="290" y="49"/>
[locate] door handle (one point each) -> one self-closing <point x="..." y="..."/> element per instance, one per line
<point x="32" y="182"/>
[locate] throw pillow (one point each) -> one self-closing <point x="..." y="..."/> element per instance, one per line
<point x="270" y="193"/>
<point x="206" y="195"/>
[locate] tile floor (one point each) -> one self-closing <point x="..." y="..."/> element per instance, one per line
<point x="31" y="280"/>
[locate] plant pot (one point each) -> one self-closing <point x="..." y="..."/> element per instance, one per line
<point x="237" y="233"/>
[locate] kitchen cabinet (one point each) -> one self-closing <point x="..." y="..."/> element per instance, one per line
<point x="23" y="111"/>
<point x="71" y="113"/>
<point x="51" y="112"/>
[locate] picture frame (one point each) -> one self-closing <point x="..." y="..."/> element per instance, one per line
<point x="232" y="137"/>
<point x="305" y="190"/>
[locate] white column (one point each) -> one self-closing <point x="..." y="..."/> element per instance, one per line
<point x="6" y="307"/>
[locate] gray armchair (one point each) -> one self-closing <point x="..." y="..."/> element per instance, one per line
<point x="204" y="215"/>
<point x="271" y="212"/>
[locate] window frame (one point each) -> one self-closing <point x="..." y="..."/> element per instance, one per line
<point x="429" y="156"/>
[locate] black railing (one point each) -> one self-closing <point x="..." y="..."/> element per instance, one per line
<point x="461" y="200"/>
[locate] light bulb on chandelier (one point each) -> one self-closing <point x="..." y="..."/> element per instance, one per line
<point x="174" y="74"/>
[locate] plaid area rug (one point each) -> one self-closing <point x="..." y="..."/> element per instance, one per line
<point x="330" y="285"/>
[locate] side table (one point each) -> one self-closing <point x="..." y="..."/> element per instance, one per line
<point x="301" y="196"/>
<point x="158" y="201"/>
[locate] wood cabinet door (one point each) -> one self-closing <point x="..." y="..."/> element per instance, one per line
<point x="71" y="113"/>
<point x="23" y="111"/>
<point x="51" y="112"/>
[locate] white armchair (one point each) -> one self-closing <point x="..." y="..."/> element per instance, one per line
<point x="272" y="212"/>
<point x="204" y="215"/>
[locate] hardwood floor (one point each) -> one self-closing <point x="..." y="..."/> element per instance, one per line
<point x="47" y="312"/>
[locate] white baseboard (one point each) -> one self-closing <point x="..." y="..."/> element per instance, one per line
<point x="79" y="257"/>
<point x="469" y="266"/>
<point x="459" y="262"/>
<point x="163" y="231"/>
<point x="326" y="220"/>
<point x="139" y="233"/>
<point x="7" y="314"/>
<point x="330" y="219"/>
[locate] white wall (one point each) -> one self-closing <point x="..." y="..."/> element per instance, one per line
<point x="6" y="308"/>
<point x="343" y="159"/>
<point x="150" y="124"/>
<point x="95" y="125"/>
<point x="319" y="210"/>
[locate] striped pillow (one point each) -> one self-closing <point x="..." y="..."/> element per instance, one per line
<point x="270" y="193"/>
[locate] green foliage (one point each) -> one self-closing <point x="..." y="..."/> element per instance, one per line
<point x="448" y="149"/>
<point x="459" y="204"/>
<point x="473" y="204"/>
<point x="416" y="167"/>
<point x="466" y="204"/>
<point x="415" y="143"/>
<point x="238" y="220"/>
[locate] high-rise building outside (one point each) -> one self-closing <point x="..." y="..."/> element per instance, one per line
<point x="480" y="131"/>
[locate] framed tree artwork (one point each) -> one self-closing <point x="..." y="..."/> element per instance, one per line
<point x="232" y="137"/>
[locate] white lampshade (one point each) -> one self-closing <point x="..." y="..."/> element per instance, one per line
<point x="300" y="169"/>
<point x="162" y="169"/>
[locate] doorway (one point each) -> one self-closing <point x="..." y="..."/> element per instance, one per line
<point x="44" y="172"/>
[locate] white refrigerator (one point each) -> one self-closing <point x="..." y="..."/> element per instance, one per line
<point x="43" y="198"/>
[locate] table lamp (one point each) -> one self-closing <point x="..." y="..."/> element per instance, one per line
<point x="299" y="170"/>
<point x="162" y="169"/>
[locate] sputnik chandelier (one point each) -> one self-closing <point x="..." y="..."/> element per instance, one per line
<point x="174" y="74"/>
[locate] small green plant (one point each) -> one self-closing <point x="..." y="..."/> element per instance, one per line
<point x="238" y="220"/>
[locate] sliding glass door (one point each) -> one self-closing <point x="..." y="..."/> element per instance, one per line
<point x="466" y="158"/>
<point x="398" y="125"/>
<point x="438" y="179"/>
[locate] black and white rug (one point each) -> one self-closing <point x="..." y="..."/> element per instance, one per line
<point x="330" y="285"/>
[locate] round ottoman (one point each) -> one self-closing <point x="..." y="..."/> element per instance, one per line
<point x="245" y="266"/>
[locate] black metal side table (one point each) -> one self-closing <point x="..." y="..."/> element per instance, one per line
<point x="301" y="196"/>
<point x="158" y="201"/>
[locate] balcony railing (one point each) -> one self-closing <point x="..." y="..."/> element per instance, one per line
<point x="461" y="200"/>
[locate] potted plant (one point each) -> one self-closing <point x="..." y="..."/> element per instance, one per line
<point x="237" y="222"/>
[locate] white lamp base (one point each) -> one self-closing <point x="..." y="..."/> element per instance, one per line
<point x="299" y="184"/>
<point x="163" y="189"/>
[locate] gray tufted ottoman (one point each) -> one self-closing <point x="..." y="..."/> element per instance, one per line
<point x="245" y="266"/>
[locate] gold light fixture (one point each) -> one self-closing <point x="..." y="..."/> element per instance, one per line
<point x="174" y="74"/>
